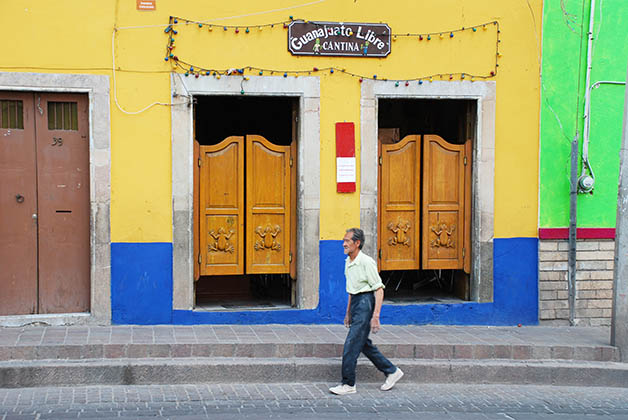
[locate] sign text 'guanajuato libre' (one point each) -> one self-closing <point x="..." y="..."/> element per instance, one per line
<point x="337" y="38"/>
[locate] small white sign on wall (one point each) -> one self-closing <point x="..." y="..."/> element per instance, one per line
<point x="345" y="169"/>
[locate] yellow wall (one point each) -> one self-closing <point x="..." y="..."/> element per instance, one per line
<point x="74" y="36"/>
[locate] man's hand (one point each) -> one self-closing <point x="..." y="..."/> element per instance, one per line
<point x="375" y="326"/>
<point x="347" y="320"/>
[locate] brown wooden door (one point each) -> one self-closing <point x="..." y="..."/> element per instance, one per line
<point x="399" y="203"/>
<point x="63" y="191"/>
<point x="222" y="207"/>
<point x="443" y="204"/>
<point x="18" y="205"/>
<point x="44" y="240"/>
<point x="268" y="206"/>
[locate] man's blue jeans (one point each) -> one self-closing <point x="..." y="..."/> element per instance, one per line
<point x="357" y="341"/>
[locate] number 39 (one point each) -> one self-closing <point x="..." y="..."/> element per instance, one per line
<point x="57" y="141"/>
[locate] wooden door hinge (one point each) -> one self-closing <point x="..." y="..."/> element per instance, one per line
<point x="380" y="254"/>
<point x="463" y="252"/>
<point x="199" y="162"/>
<point x="380" y="161"/>
<point x="290" y="257"/>
<point x="291" y="161"/>
<point x="199" y="258"/>
<point x="465" y="160"/>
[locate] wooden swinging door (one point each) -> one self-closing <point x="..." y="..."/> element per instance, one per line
<point x="446" y="217"/>
<point x="268" y="206"/>
<point x="424" y="203"/>
<point x="399" y="205"/>
<point x="221" y="227"/>
<point x="246" y="207"/>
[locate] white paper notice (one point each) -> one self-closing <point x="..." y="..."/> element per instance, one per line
<point x="345" y="169"/>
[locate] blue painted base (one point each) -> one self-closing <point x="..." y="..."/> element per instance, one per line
<point x="141" y="283"/>
<point x="141" y="292"/>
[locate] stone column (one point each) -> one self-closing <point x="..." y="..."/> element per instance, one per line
<point x="619" y="322"/>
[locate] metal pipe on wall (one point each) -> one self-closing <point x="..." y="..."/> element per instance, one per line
<point x="573" y="208"/>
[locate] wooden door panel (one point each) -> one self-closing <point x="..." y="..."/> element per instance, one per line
<point x="18" y="204"/>
<point x="63" y="202"/>
<point x="268" y="209"/>
<point x="443" y="204"/>
<point x="221" y="207"/>
<point x="399" y="237"/>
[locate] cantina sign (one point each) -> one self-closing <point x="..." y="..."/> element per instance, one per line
<point x="337" y="38"/>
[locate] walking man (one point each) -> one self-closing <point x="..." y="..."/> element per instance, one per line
<point x="366" y="293"/>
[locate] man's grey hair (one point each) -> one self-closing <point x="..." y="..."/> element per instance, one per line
<point x="357" y="234"/>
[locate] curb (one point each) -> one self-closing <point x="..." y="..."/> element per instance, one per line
<point x="23" y="374"/>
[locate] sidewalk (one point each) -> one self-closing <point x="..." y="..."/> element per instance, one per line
<point x="419" y="342"/>
<point x="32" y="356"/>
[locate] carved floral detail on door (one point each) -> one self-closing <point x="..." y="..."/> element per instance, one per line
<point x="221" y="239"/>
<point x="400" y="229"/>
<point x="268" y="235"/>
<point x="443" y="236"/>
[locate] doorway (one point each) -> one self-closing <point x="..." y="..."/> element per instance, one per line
<point x="424" y="199"/>
<point x="245" y="202"/>
<point x="45" y="203"/>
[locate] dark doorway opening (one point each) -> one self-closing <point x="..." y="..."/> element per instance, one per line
<point x="215" y="119"/>
<point x="455" y="122"/>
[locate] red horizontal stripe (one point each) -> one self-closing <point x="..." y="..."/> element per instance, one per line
<point x="581" y="233"/>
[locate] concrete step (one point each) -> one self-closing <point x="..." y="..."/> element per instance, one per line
<point x="427" y="351"/>
<point x="124" y="371"/>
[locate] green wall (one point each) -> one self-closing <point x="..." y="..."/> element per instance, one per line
<point x="562" y="103"/>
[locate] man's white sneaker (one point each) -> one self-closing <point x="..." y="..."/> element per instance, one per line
<point x="343" y="389"/>
<point x="391" y="380"/>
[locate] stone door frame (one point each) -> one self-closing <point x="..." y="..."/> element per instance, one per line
<point x="307" y="91"/>
<point x="97" y="89"/>
<point x="483" y="171"/>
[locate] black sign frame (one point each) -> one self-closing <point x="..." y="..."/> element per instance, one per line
<point x="346" y="39"/>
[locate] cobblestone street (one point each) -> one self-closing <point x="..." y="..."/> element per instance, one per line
<point x="313" y="401"/>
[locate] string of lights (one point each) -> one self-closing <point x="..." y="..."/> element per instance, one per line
<point x="190" y="69"/>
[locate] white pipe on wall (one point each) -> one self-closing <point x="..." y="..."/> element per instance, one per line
<point x="586" y="182"/>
